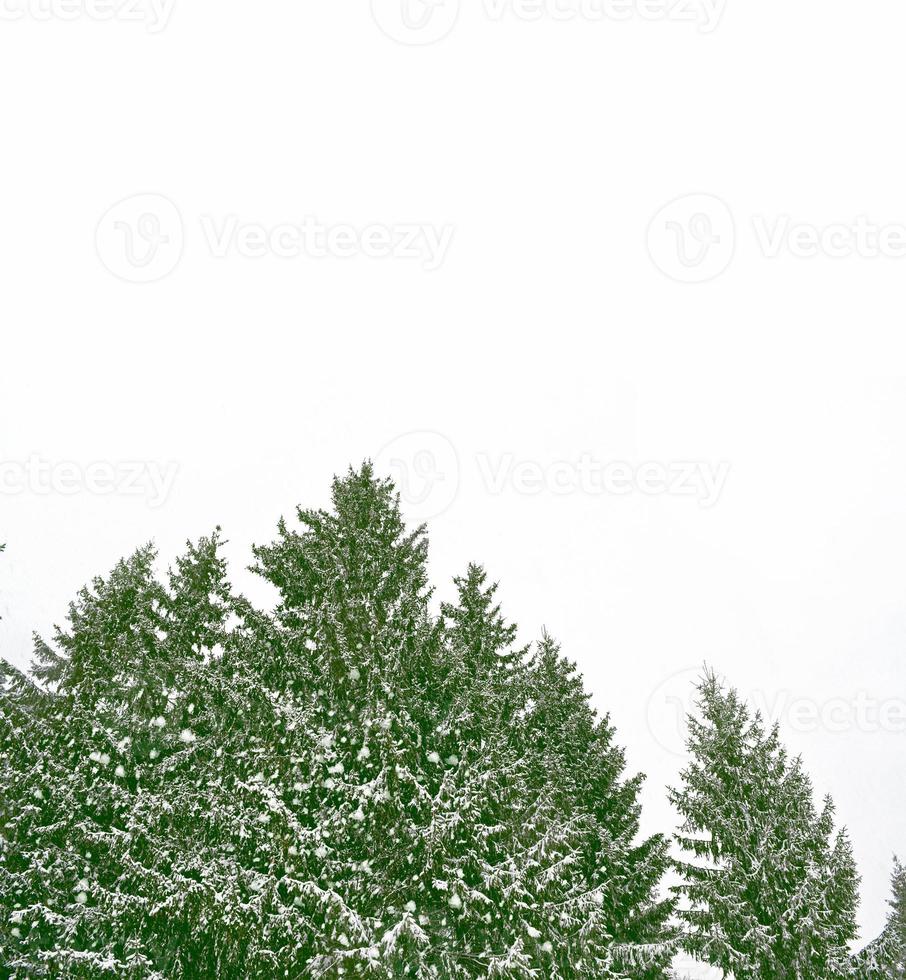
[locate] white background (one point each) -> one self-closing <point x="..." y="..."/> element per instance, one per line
<point x="552" y="329"/>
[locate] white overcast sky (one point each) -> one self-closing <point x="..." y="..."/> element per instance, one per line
<point x="548" y="334"/>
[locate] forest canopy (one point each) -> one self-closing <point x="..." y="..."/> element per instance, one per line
<point x="359" y="784"/>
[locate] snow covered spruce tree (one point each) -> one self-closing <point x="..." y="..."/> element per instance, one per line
<point x="605" y="883"/>
<point x="768" y="890"/>
<point x="106" y="872"/>
<point x="885" y="958"/>
<point x="350" y="786"/>
<point x="896" y="927"/>
<point x="550" y="847"/>
<point x="435" y="836"/>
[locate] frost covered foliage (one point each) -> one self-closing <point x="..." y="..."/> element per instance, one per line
<point x="769" y="890"/>
<point x="351" y="786"/>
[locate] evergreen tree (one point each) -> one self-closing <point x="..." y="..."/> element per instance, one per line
<point x="362" y="652"/>
<point x="557" y="828"/>
<point x="768" y="891"/>
<point x="897" y="924"/>
<point x="611" y="922"/>
<point x="115" y="851"/>
<point x="885" y="958"/>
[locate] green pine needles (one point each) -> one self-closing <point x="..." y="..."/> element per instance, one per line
<point x="354" y="785"/>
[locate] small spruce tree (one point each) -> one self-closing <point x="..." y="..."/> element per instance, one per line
<point x="768" y="890"/>
<point x="898" y="921"/>
<point x="885" y="957"/>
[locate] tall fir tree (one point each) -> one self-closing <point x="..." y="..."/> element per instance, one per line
<point x="556" y="825"/>
<point x="118" y="850"/>
<point x="354" y="620"/>
<point x="427" y="787"/>
<point x="768" y="889"/>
